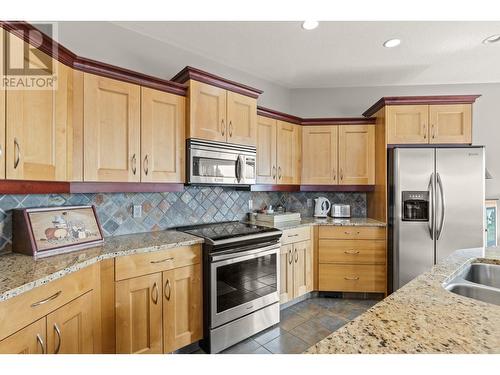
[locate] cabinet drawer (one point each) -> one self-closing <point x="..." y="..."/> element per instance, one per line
<point x="351" y="233"/>
<point x="143" y="264"/>
<point x="296" y="235"/>
<point x="352" y="251"/>
<point x="18" y="312"/>
<point x="352" y="278"/>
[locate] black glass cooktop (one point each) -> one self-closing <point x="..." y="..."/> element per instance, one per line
<point x="221" y="231"/>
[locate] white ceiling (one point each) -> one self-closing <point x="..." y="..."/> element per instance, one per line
<point x="339" y="54"/>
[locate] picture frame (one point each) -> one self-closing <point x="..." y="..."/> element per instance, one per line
<point x="49" y="231"/>
<point x="491" y="216"/>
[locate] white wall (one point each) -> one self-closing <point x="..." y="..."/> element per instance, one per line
<point x="354" y="101"/>
<point x="112" y="44"/>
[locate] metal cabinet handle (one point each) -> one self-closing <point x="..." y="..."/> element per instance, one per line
<point x="59" y="341"/>
<point x="433" y="131"/>
<point x="154" y="293"/>
<point x="350" y="233"/>
<point x="54" y="296"/>
<point x="296" y="256"/>
<point x="443" y="205"/>
<point x="167" y="288"/>
<point x="222" y="127"/>
<point x="290" y="257"/>
<point x="293" y="235"/>
<point x="334" y="174"/>
<point x="354" y="278"/>
<point x="341" y="174"/>
<point x="17" y="152"/>
<point x="161" y="261"/>
<point x="230" y="128"/>
<point x="274" y="172"/>
<point x="279" y="173"/>
<point x="40" y="342"/>
<point x="351" y="252"/>
<point x="424" y="130"/>
<point x="146" y="164"/>
<point x="134" y="164"/>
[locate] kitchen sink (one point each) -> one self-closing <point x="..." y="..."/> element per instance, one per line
<point x="478" y="281"/>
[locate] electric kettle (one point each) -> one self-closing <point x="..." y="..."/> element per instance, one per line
<point x="321" y="207"/>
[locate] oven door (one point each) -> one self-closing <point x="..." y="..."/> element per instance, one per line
<point x="242" y="283"/>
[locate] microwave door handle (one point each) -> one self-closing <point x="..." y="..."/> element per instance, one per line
<point x="443" y="205"/>
<point x="432" y="193"/>
<point x="243" y="164"/>
<point x="237" y="168"/>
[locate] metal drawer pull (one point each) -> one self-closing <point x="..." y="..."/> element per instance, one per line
<point x="54" y="296"/>
<point x="353" y="252"/>
<point x="134" y="164"/>
<point x="18" y="153"/>
<point x="154" y="293"/>
<point x="40" y="341"/>
<point x="167" y="287"/>
<point x="59" y="341"/>
<point x="349" y="233"/>
<point x="293" y="235"/>
<point x="354" y="278"/>
<point x="161" y="261"/>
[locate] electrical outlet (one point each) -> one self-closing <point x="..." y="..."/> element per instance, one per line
<point x="309" y="202"/>
<point x="137" y="211"/>
<point x="250" y="204"/>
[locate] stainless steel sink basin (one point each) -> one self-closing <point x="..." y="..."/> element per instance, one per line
<point x="478" y="281"/>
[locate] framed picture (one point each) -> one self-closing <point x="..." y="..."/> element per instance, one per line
<point x="491" y="222"/>
<point x="55" y="230"/>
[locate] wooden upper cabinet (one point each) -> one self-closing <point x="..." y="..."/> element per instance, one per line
<point x="207" y="112"/>
<point x="112" y="129"/>
<point x="407" y="124"/>
<point x="70" y="329"/>
<point x="319" y="155"/>
<point x="266" y="150"/>
<point x="29" y="340"/>
<point x="450" y="123"/>
<point x="38" y="121"/>
<point x="139" y="315"/>
<point x="357" y="154"/>
<point x="241" y="119"/>
<point x="162" y="136"/>
<point x="182" y="307"/>
<point x="288" y="148"/>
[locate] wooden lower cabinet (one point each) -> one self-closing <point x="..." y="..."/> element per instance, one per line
<point x="139" y="315"/>
<point x="70" y="329"/>
<point x="352" y="277"/>
<point x="182" y="306"/>
<point x="286" y="273"/>
<point x="296" y="269"/>
<point x="29" y="340"/>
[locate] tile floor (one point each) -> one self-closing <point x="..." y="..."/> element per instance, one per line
<point x="302" y="325"/>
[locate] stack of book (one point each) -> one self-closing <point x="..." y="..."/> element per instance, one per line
<point x="277" y="218"/>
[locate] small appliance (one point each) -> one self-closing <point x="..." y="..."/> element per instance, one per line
<point x="321" y="207"/>
<point x="341" y="211"/>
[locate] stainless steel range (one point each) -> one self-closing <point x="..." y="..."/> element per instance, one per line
<point x="241" y="276"/>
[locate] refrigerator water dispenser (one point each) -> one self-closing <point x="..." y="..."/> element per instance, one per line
<point x="415" y="206"/>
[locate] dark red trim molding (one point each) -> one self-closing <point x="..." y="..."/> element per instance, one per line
<point x="33" y="187"/>
<point x="271" y="113"/>
<point x="65" y="56"/>
<point x="124" y="187"/>
<point x="341" y="188"/>
<point x="338" y="121"/>
<point x="200" y="75"/>
<point x="289" y="188"/>
<point x="414" y="100"/>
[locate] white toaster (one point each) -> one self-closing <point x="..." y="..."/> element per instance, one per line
<point x="341" y="210"/>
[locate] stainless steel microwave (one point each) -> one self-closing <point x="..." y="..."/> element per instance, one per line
<point x="215" y="163"/>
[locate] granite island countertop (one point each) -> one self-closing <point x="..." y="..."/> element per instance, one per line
<point x="20" y="273"/>
<point x="307" y="221"/>
<point x="423" y="317"/>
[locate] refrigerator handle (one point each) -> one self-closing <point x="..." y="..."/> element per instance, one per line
<point x="431" y="190"/>
<point x="443" y="205"/>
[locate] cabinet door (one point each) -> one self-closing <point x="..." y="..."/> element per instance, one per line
<point x="241" y="119"/>
<point x="450" y="123"/>
<point x="288" y="153"/>
<point x="207" y="112"/>
<point x="29" y="340"/>
<point x="2" y="109"/>
<point x="357" y="154"/>
<point x="139" y="315"/>
<point x="266" y="150"/>
<point x="319" y="155"/>
<point x="182" y="307"/>
<point x="37" y="120"/>
<point x="70" y="329"/>
<point x="302" y="268"/>
<point x="407" y="124"/>
<point x="112" y="123"/>
<point x="162" y="136"/>
<point x="286" y="273"/>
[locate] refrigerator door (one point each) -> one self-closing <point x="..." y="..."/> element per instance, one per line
<point x="459" y="199"/>
<point x="413" y="244"/>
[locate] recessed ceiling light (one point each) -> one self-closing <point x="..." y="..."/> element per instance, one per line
<point x="392" y="43"/>
<point x="492" y="39"/>
<point x="310" y="25"/>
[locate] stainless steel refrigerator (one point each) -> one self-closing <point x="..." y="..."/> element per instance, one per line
<point x="436" y="206"/>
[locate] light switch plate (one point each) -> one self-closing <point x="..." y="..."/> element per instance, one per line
<point x="250" y="204"/>
<point x="137" y="211"/>
<point x="309" y="202"/>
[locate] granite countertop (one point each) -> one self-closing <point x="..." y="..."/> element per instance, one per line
<point x="20" y="273"/>
<point x="307" y="221"/>
<point x="423" y="317"/>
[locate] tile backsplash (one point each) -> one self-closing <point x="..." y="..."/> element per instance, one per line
<point x="160" y="211"/>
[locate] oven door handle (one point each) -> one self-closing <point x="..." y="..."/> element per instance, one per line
<point x="224" y="259"/>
